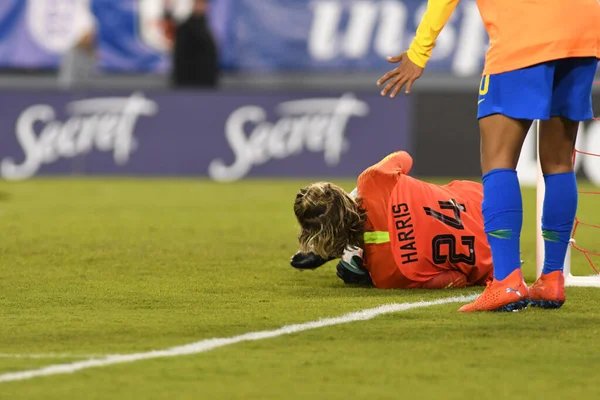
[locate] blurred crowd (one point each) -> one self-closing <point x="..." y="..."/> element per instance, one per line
<point x="187" y="36"/>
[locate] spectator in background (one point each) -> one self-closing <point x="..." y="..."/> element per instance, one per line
<point x="168" y="23"/>
<point x="79" y="65"/>
<point x="195" y="57"/>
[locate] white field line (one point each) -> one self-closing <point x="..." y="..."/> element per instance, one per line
<point x="210" y="344"/>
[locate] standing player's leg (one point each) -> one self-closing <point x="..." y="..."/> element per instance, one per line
<point x="507" y="105"/>
<point x="571" y="103"/>
<point x="501" y="141"/>
<point x="557" y="143"/>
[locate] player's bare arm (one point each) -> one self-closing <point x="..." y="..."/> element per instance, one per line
<point x="406" y="73"/>
<point x="413" y="62"/>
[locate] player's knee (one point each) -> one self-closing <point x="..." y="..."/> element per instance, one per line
<point x="556" y="158"/>
<point x="557" y="142"/>
<point x="557" y="166"/>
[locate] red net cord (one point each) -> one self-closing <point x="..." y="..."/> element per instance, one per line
<point x="586" y="253"/>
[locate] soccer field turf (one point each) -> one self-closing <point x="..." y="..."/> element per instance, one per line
<point x="97" y="267"/>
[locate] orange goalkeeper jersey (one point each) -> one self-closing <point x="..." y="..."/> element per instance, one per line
<point x="422" y="235"/>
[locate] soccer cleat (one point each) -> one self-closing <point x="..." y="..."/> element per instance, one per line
<point x="509" y="294"/>
<point x="548" y="291"/>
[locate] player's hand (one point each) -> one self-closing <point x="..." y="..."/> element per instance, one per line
<point x="404" y="74"/>
<point x="353" y="273"/>
<point x="307" y="260"/>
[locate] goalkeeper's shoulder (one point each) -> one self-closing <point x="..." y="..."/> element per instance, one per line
<point x="385" y="173"/>
<point x="397" y="163"/>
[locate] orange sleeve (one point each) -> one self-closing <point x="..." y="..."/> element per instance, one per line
<point x="382" y="177"/>
<point x="399" y="162"/>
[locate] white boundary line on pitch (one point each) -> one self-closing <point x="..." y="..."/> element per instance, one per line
<point x="210" y="344"/>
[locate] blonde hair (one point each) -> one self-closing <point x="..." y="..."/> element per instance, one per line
<point x="329" y="218"/>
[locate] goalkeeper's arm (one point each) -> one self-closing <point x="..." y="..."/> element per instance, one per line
<point x="350" y="269"/>
<point x="353" y="275"/>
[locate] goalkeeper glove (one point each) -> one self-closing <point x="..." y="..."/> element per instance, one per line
<point x="350" y="269"/>
<point x="308" y="260"/>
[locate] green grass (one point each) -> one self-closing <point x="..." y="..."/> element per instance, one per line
<point x="123" y="266"/>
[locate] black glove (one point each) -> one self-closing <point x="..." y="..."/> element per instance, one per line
<point x="354" y="273"/>
<point x="308" y="260"/>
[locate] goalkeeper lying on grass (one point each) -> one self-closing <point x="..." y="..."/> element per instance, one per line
<point x="395" y="231"/>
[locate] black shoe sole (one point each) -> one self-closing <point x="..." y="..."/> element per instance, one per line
<point x="514" y="307"/>
<point x="547" y="304"/>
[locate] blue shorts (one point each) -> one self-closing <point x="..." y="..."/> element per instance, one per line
<point x="554" y="88"/>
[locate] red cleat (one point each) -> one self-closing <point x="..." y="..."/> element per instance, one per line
<point x="509" y="294"/>
<point x="548" y="291"/>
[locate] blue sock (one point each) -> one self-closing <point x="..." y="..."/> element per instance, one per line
<point x="560" y="207"/>
<point x="503" y="218"/>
